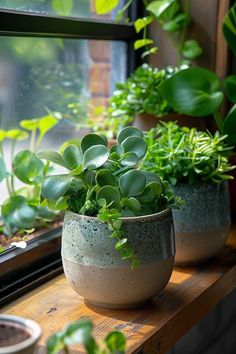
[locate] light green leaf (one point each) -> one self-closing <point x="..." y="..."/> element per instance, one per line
<point x="104" y="6"/>
<point x="62" y="7"/>
<point x="156" y="187"/>
<point x="139" y="43"/>
<point x="133" y="204"/>
<point x="16" y="134"/>
<point x="28" y="167"/>
<point x="3" y="134"/>
<point x="132" y="183"/>
<point x="152" y="50"/>
<point x="95" y="157"/>
<point x="191" y="49"/>
<point x="116" y="342"/>
<point x="141" y="23"/>
<point x="177" y="23"/>
<point x="158" y="8"/>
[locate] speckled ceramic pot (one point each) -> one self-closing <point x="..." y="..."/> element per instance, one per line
<point x="202" y="224"/>
<point x="95" y="269"/>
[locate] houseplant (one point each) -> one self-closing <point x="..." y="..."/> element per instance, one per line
<point x="196" y="164"/>
<point x="21" y="210"/>
<point x="112" y="207"/>
<point x="80" y="332"/>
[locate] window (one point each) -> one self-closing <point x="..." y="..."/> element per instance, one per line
<point x="49" y="63"/>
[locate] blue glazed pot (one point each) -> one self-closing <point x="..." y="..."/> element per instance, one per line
<point x="95" y="269"/>
<point x="202" y="224"/>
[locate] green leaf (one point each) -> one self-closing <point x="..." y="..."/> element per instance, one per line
<point x="135" y="145"/>
<point x="46" y="123"/>
<point x="3" y="134"/>
<point x="193" y="91"/>
<point x="229" y="126"/>
<point x="147" y="196"/>
<point x="110" y="194"/>
<point x="104" y="177"/>
<point x="72" y="156"/>
<point x="89" y="177"/>
<point x="141" y="23"/>
<point x="55" y="187"/>
<point x="133" y="204"/>
<point x="55" y="343"/>
<point x="129" y="159"/>
<point x="120" y="244"/>
<point x="177" y="23"/>
<point x="116" y="342"/>
<point x="127" y="132"/>
<point x="28" y="167"/>
<point x="53" y="157"/>
<point x="139" y="43"/>
<point x="16" y="134"/>
<point x="158" y="8"/>
<point x="230" y="88"/>
<point x="229" y="28"/>
<point x="152" y="50"/>
<point x="78" y="332"/>
<point x="91" y="140"/>
<point x="95" y="157"/>
<point x="191" y="49"/>
<point x="117" y="149"/>
<point x="77" y="171"/>
<point x="104" y="6"/>
<point x="3" y="170"/>
<point x="62" y="7"/>
<point x="156" y="187"/>
<point x="132" y="183"/>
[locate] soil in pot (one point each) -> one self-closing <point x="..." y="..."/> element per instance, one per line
<point x="95" y="269"/>
<point x="11" y="334"/>
<point x="202" y="224"/>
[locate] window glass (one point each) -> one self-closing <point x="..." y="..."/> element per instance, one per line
<point x="73" y="8"/>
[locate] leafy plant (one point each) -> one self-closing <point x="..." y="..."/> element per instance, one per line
<point x="22" y="210"/>
<point x="172" y="19"/>
<point x="184" y="155"/>
<point x="107" y="183"/>
<point x="80" y="332"/>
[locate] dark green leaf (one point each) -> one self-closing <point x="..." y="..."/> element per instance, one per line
<point x="91" y="140"/>
<point x="229" y="28"/>
<point x="133" y="204"/>
<point x="55" y="187"/>
<point x="105" y="177"/>
<point x="53" y="157"/>
<point x="191" y="49"/>
<point x="135" y="145"/>
<point x="132" y="183"/>
<point x="95" y="157"/>
<point x="129" y="159"/>
<point x="120" y="244"/>
<point x="178" y="22"/>
<point x="230" y="87"/>
<point x="72" y="156"/>
<point x="128" y="132"/>
<point x="28" y="167"/>
<point x="229" y="126"/>
<point x="110" y="194"/>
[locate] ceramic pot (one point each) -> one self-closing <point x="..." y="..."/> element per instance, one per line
<point x="18" y="335"/>
<point x="202" y="224"/>
<point x="95" y="269"/>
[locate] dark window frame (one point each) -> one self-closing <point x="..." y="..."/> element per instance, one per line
<point x="24" y="269"/>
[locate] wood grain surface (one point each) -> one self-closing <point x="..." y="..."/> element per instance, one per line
<point x="152" y="329"/>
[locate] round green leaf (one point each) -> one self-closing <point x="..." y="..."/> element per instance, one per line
<point x="72" y="156"/>
<point x="3" y="134"/>
<point x="191" y="49"/>
<point x="132" y="183"/>
<point x="91" y="140"/>
<point x="55" y="187"/>
<point x="156" y="187"/>
<point x="95" y="157"/>
<point x="193" y="91"/>
<point x="117" y="149"/>
<point x="135" y="145"/>
<point x="105" y="177"/>
<point x="129" y="159"/>
<point x="110" y="194"/>
<point x="230" y="87"/>
<point x="128" y="132"/>
<point x="28" y="167"/>
<point x="53" y="157"/>
<point x="89" y="177"/>
<point x="147" y="196"/>
<point x="229" y="126"/>
<point x="133" y="204"/>
<point x="17" y="134"/>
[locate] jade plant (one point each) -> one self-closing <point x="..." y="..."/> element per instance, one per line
<point x="22" y="210"/>
<point x="80" y="333"/>
<point x="106" y="183"/>
<point x="186" y="155"/>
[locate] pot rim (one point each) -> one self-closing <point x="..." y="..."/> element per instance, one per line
<point x="127" y="218"/>
<point x="25" y="323"/>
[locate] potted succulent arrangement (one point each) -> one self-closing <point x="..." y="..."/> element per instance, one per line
<point x="21" y="212"/>
<point x="196" y="164"/>
<point x="118" y="238"/>
<point x="80" y="332"/>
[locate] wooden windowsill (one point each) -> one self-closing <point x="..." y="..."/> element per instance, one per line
<point x="152" y="329"/>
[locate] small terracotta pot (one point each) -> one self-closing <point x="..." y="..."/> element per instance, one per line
<point x="18" y="335"/>
<point x="95" y="269"/>
<point x="203" y="223"/>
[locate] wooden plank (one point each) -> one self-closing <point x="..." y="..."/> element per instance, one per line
<point x="154" y="328"/>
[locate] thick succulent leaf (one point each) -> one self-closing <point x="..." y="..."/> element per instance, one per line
<point x="55" y="187"/>
<point x="229" y="28"/>
<point x="133" y="204"/>
<point x="147" y="196"/>
<point x="104" y="177"/>
<point x="72" y="156"/>
<point x="230" y="87"/>
<point x="127" y="132"/>
<point x="129" y="159"/>
<point x="135" y="145"/>
<point x="229" y="126"/>
<point x="17" y="134"/>
<point x="156" y="187"/>
<point x="89" y="177"/>
<point x="3" y="170"/>
<point x="151" y="176"/>
<point x="28" y="167"/>
<point x="110" y="194"/>
<point x="193" y="91"/>
<point x="132" y="183"/>
<point x="53" y="157"/>
<point x="117" y="149"/>
<point x="95" y="157"/>
<point x="91" y="140"/>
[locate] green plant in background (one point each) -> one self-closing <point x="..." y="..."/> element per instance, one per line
<point x="22" y="210"/>
<point x="80" y="332"/>
<point x="184" y="155"/>
<point x="171" y="17"/>
<point x="107" y="183"/>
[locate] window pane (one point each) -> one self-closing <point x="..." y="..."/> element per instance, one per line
<point x="74" y="8"/>
<point x="72" y="77"/>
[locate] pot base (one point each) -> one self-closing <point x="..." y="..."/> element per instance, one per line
<point x="115" y="306"/>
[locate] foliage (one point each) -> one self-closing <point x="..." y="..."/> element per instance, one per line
<point x="229" y="28"/>
<point x="80" y="332"/>
<point x="22" y="210"/>
<point x="184" y="155"/>
<point x="106" y="183"/>
<point x="169" y="15"/>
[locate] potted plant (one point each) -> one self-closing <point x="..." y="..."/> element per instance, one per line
<point x="112" y="207"/>
<point x="196" y="164"/>
<point x="18" y="335"/>
<point x="80" y="332"/>
<point x="21" y="211"/>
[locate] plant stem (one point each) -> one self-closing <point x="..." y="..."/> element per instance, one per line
<point x="32" y="140"/>
<point x="218" y="120"/>
<point x="13" y="146"/>
<point x="182" y="34"/>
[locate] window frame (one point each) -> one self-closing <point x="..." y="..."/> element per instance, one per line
<point x="24" y="269"/>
